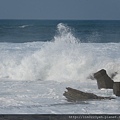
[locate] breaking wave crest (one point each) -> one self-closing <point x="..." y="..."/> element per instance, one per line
<point x="64" y="34"/>
<point x="24" y="26"/>
<point x="62" y="59"/>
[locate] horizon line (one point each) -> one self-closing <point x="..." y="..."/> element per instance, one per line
<point x="60" y="19"/>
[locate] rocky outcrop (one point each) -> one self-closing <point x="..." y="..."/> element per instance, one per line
<point x="116" y="88"/>
<point x="74" y="95"/>
<point x="103" y="80"/>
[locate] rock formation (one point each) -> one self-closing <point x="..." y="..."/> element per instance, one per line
<point x="116" y="88"/>
<point x="103" y="80"/>
<point x="74" y="95"/>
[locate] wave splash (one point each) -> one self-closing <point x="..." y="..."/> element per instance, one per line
<point x="54" y="59"/>
<point x="65" y="34"/>
<point x="62" y="59"/>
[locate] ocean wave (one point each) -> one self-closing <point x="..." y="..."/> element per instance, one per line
<point x="24" y="26"/>
<point x="62" y="59"/>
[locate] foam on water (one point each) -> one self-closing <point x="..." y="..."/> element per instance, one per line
<point x="62" y="59"/>
<point x="23" y="26"/>
<point x="55" y="65"/>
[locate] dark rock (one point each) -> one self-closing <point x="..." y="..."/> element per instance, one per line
<point x="116" y="88"/>
<point x="74" y="95"/>
<point x="103" y="80"/>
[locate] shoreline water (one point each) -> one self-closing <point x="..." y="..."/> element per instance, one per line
<point x="35" y="70"/>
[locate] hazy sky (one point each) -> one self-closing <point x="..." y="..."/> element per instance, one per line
<point x="60" y="9"/>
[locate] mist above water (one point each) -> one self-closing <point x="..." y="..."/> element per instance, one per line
<point x="64" y="58"/>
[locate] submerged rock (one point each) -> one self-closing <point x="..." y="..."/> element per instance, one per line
<point x="116" y="88"/>
<point x="103" y="80"/>
<point x="74" y="95"/>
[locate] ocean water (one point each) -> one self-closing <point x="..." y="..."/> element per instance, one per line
<point x="40" y="58"/>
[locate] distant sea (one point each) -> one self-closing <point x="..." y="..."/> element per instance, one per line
<point x="40" y="58"/>
<point x="97" y="31"/>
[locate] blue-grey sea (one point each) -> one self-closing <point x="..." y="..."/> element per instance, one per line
<point x="97" y="31"/>
<point x="40" y="58"/>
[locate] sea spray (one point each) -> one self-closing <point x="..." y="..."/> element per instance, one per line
<point x="62" y="59"/>
<point x="65" y="34"/>
<point x="57" y="60"/>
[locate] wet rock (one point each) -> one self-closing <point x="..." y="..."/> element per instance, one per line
<point x="103" y="80"/>
<point x="116" y="88"/>
<point x="74" y="95"/>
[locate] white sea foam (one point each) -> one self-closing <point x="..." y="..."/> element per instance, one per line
<point x="23" y="26"/>
<point x="55" y="65"/>
<point x="62" y="59"/>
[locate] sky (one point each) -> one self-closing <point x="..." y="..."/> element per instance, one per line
<point x="60" y="9"/>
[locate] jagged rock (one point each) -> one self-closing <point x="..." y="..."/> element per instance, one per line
<point x="74" y="95"/>
<point x="103" y="80"/>
<point x="116" y="88"/>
